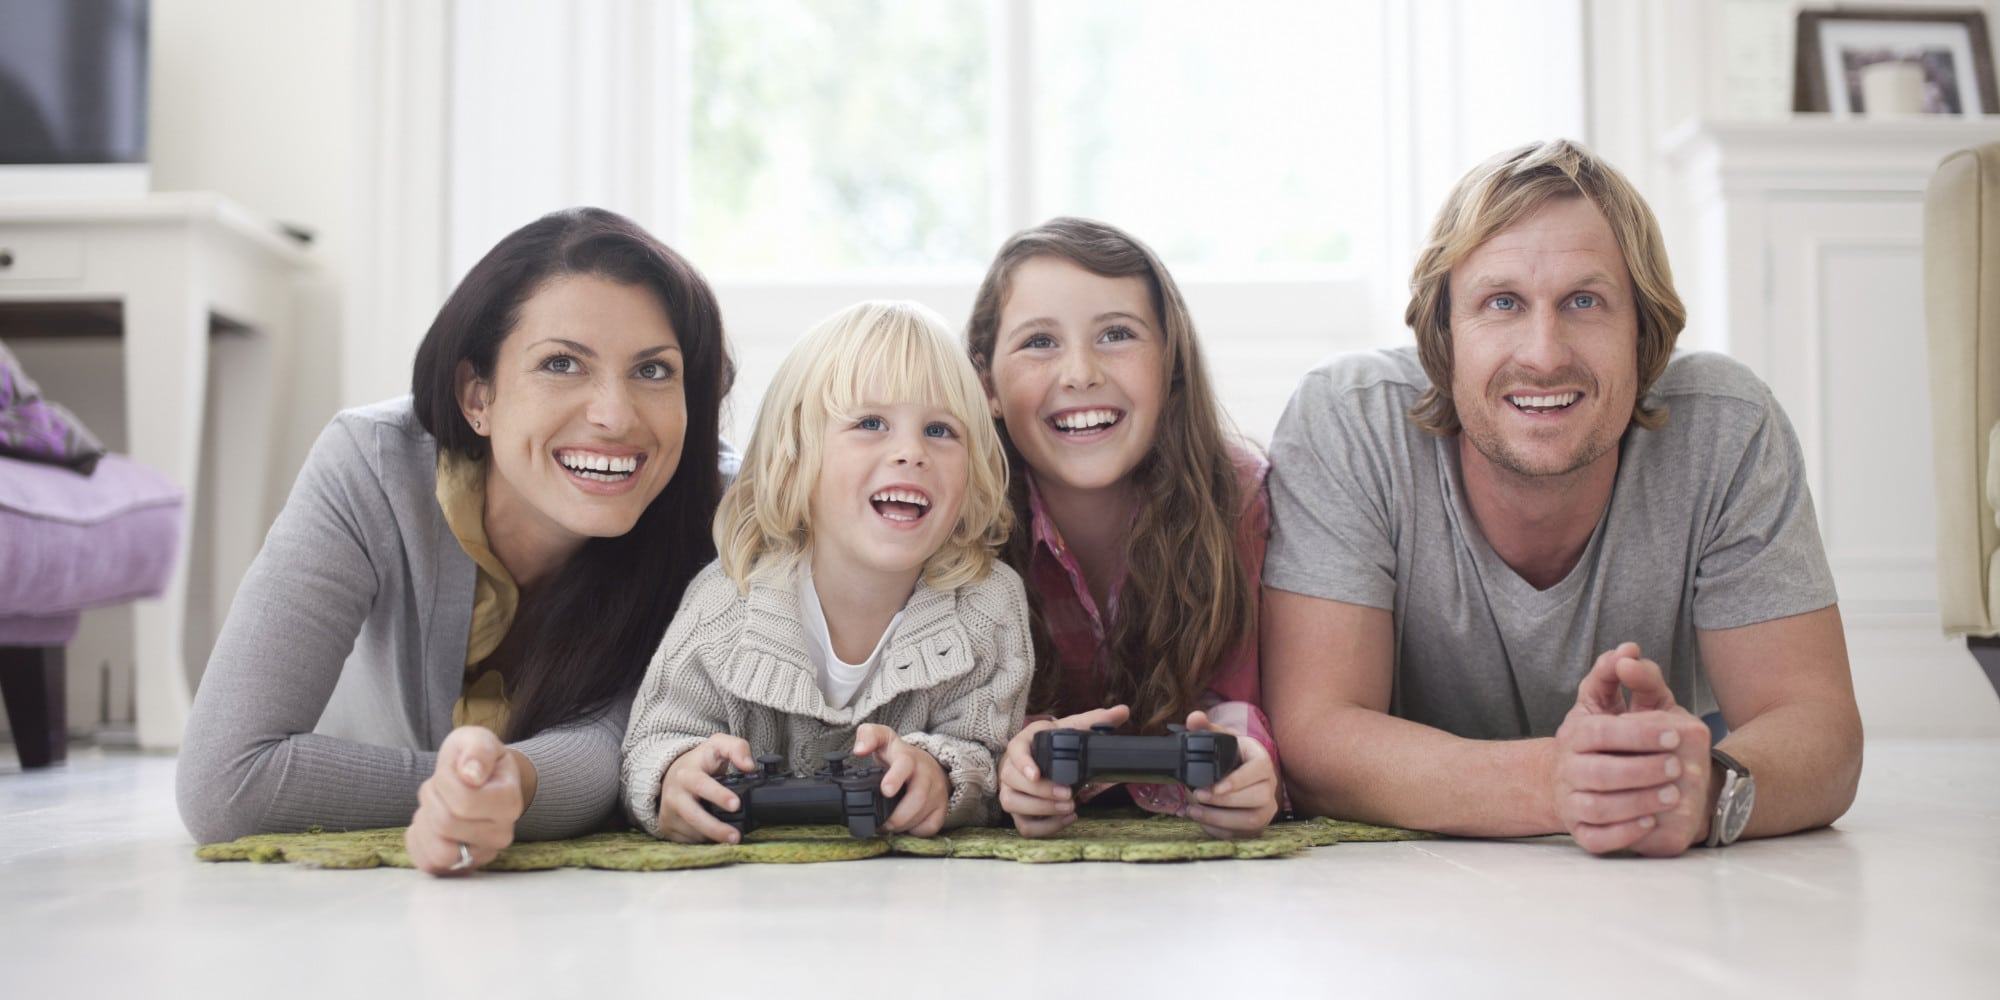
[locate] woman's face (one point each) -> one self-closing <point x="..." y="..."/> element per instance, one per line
<point x="587" y="407"/>
<point x="1078" y="372"/>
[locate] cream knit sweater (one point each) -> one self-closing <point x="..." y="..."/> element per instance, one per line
<point x="953" y="680"/>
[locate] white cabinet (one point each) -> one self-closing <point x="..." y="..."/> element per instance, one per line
<point x="1808" y="266"/>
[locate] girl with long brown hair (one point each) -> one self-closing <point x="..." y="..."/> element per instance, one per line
<point x="1140" y="520"/>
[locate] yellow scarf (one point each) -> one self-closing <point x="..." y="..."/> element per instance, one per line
<point x="461" y="493"/>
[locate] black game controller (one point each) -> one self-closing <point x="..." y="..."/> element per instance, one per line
<point x="838" y="793"/>
<point x="1073" y="756"/>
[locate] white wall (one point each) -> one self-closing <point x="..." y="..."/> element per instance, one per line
<point x="256" y="101"/>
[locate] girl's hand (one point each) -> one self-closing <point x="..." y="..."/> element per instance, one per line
<point x="1242" y="804"/>
<point x="1041" y="807"/>
<point x="690" y="780"/>
<point x="476" y="794"/>
<point x="913" y="772"/>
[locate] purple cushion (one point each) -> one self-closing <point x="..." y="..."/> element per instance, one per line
<point x="69" y="542"/>
<point x="38" y="430"/>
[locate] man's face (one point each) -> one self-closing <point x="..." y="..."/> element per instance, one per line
<point x="1545" y="342"/>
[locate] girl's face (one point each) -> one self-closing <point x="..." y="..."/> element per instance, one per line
<point x="891" y="482"/>
<point x="586" y="410"/>
<point x="1078" y="372"/>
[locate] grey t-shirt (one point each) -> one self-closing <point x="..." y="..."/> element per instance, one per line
<point x="1710" y="526"/>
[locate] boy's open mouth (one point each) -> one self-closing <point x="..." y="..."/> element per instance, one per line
<point x="900" y="503"/>
<point x="1085" y="420"/>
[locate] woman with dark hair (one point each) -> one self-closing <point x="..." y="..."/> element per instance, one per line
<point x="494" y="558"/>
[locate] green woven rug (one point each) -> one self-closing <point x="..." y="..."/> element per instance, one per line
<point x="1108" y="838"/>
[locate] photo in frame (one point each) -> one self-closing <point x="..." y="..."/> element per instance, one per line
<point x="1876" y="61"/>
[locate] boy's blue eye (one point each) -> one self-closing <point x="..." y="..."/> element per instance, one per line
<point x="1584" y="300"/>
<point x="939" y="429"/>
<point x="872" y="424"/>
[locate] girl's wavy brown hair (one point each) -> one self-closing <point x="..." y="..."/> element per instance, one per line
<point x="1186" y="601"/>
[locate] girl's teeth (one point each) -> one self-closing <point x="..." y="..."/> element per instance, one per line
<point x="1085" y="419"/>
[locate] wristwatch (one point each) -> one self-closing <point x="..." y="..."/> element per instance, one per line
<point x="1732" y="807"/>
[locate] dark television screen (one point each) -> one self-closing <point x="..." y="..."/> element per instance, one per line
<point x="72" y="81"/>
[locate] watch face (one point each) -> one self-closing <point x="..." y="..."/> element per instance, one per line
<point x="1737" y="816"/>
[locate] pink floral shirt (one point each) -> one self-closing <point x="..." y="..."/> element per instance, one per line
<point x="1077" y="627"/>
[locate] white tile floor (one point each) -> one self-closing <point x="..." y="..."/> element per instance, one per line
<point x="100" y="896"/>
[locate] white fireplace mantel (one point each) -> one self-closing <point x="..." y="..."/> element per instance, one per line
<point x="1806" y="263"/>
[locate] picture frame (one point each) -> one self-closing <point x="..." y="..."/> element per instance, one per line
<point x="1947" y="52"/>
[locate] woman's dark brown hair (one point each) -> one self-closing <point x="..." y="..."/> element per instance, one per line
<point x="1186" y="602"/>
<point x="595" y="623"/>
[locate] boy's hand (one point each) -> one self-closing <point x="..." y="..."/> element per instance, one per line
<point x="1041" y="807"/>
<point x="913" y="772"/>
<point x="690" y="780"/>
<point x="1243" y="802"/>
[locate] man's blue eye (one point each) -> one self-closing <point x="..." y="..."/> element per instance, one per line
<point x="1504" y="302"/>
<point x="939" y="430"/>
<point x="871" y="424"/>
<point x="1584" y="300"/>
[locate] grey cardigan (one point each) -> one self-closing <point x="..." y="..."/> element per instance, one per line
<point x="953" y="681"/>
<point x="333" y="681"/>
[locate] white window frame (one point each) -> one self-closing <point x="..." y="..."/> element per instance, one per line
<point x="620" y="139"/>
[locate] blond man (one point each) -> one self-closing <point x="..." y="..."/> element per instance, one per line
<point x="1511" y="568"/>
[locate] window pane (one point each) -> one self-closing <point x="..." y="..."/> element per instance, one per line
<point x="1220" y="133"/>
<point x="838" y="133"/>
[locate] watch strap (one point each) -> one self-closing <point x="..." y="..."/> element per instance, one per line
<point x="1734" y="773"/>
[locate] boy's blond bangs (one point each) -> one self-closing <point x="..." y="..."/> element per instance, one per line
<point x="869" y="352"/>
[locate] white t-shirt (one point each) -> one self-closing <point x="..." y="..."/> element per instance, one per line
<point x="838" y="680"/>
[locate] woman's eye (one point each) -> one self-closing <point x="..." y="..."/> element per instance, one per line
<point x="1039" y="342"/>
<point x="872" y="424"/>
<point x="656" y="371"/>
<point x="561" y="364"/>
<point x="939" y="429"/>
<point x="1505" y="302"/>
<point x="1117" y="333"/>
<point x="1584" y="300"/>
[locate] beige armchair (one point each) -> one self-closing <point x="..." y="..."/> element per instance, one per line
<point x="1962" y="293"/>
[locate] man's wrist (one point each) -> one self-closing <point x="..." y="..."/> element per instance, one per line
<point x="1545" y="756"/>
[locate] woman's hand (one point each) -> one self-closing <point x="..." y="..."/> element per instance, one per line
<point x="690" y="781"/>
<point x="1242" y="804"/>
<point x="474" y="797"/>
<point x="1039" y="806"/>
<point x="913" y="772"/>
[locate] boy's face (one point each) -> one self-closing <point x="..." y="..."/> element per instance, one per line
<point x="891" y="482"/>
